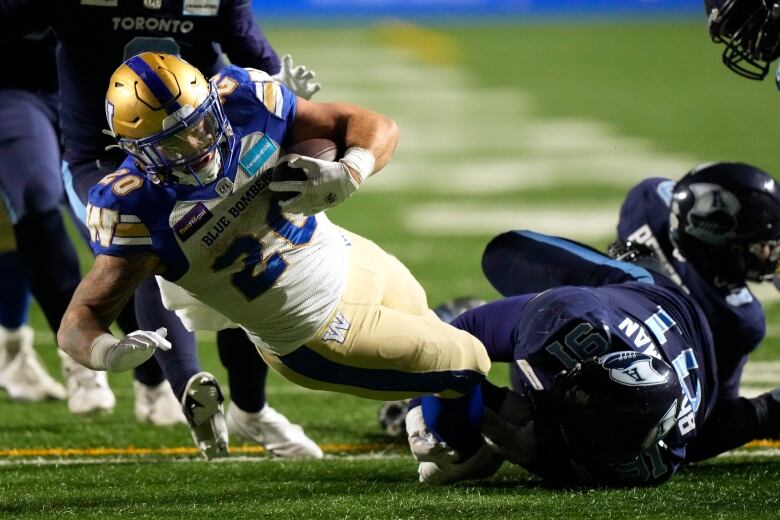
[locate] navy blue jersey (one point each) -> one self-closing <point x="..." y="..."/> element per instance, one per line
<point x="98" y="35"/>
<point x="31" y="65"/>
<point x="551" y="331"/>
<point x="735" y="315"/>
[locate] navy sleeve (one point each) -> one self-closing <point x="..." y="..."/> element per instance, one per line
<point x="19" y="17"/>
<point x="647" y="204"/>
<point x="242" y="39"/>
<point x="519" y="262"/>
<point x="493" y="324"/>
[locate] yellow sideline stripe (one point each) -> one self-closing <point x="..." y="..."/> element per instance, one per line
<point x="132" y="450"/>
<point x="431" y="46"/>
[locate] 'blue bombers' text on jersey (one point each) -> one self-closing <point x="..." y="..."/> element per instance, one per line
<point x="549" y="332"/>
<point x="228" y="244"/>
<point x="98" y="35"/>
<point x="735" y="315"/>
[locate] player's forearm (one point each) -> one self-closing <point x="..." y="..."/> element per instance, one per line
<point x="99" y="298"/>
<point x="373" y="132"/>
<point x="78" y="331"/>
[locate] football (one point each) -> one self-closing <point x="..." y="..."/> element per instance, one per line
<point x="324" y="149"/>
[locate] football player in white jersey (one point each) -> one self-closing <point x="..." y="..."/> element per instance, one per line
<point x="194" y="204"/>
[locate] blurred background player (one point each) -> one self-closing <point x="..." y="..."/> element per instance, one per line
<point x="44" y="261"/>
<point x="22" y="373"/>
<point x="199" y="32"/>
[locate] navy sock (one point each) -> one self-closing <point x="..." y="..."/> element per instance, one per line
<point x="14" y="291"/>
<point x="456" y="421"/>
<point x="246" y="369"/>
<point x="50" y="262"/>
<point x="181" y="362"/>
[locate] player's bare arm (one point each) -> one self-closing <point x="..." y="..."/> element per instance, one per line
<point x="352" y="125"/>
<point x="99" y="298"/>
<point x="368" y="139"/>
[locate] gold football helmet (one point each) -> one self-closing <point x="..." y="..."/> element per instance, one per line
<point x="165" y="113"/>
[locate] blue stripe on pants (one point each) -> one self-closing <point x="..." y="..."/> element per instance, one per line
<point x="310" y="364"/>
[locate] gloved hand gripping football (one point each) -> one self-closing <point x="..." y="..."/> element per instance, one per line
<point x="326" y="183"/>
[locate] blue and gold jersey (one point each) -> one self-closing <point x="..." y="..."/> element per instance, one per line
<point x="735" y="315"/>
<point x="228" y="244"/>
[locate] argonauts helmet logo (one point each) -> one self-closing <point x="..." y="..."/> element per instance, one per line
<point x="713" y="217"/>
<point x="632" y="369"/>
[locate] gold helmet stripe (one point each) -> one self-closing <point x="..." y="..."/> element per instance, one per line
<point x="159" y="89"/>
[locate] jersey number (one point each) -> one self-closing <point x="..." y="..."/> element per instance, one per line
<point x="580" y="343"/>
<point x="249" y="250"/>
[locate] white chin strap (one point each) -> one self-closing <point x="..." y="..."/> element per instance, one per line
<point x="202" y="177"/>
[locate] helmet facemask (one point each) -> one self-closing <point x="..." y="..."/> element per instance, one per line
<point x="751" y="32"/>
<point x="762" y="260"/>
<point x="191" y="150"/>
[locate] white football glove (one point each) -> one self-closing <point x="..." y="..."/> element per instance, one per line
<point x="109" y="353"/>
<point x="299" y="79"/>
<point x="328" y="183"/>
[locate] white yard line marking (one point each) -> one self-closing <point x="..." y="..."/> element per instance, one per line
<point x="196" y="460"/>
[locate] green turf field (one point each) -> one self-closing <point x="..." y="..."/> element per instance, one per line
<point x="513" y="126"/>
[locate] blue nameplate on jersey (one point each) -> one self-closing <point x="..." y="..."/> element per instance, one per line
<point x="200" y="7"/>
<point x="192" y="221"/>
<point x="257" y="155"/>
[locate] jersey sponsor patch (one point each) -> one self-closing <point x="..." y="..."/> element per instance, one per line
<point x="192" y="221"/>
<point x="258" y="154"/>
<point x="200" y="7"/>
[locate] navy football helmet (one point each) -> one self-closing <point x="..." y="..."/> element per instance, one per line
<point x="611" y="408"/>
<point x="725" y="220"/>
<point x="750" y="30"/>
